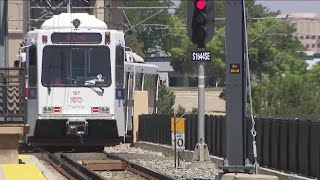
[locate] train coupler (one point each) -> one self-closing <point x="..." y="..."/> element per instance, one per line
<point x="77" y="128"/>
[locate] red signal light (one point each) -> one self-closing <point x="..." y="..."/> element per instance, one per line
<point x="201" y="4"/>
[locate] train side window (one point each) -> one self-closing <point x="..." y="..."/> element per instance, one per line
<point x="119" y="66"/>
<point x="149" y="82"/>
<point x="32" y="66"/>
<point x="138" y="81"/>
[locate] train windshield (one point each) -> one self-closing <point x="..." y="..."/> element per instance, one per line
<point x="76" y="66"/>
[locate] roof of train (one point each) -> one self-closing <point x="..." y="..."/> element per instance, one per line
<point x="64" y="20"/>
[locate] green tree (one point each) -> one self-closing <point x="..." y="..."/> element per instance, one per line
<point x="272" y="53"/>
<point x="180" y="109"/>
<point x="134" y="44"/>
<point x="166" y="100"/>
<point x="287" y="95"/>
<point x="149" y="37"/>
<point x="314" y="74"/>
<point x="194" y="111"/>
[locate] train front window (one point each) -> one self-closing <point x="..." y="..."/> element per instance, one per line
<point x="76" y="66"/>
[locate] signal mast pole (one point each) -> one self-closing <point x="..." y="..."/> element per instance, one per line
<point x="200" y="30"/>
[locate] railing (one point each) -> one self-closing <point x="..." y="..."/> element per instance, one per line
<point x="12" y="94"/>
<point x="289" y="145"/>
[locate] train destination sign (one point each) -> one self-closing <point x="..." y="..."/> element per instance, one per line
<point x="76" y="38"/>
<point x="201" y="55"/>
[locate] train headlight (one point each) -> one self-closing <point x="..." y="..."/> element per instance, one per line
<point x="44" y="39"/>
<point x="50" y="109"/>
<point x="104" y="110"/>
<point x="76" y="23"/>
<point x="47" y="109"/>
<point x="107" y="38"/>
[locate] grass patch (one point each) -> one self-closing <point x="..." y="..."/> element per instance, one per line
<point x="194" y="89"/>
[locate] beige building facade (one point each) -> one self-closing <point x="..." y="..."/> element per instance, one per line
<point x="307" y="31"/>
<point x="15" y="29"/>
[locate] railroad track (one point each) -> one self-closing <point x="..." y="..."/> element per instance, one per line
<point x="97" y="166"/>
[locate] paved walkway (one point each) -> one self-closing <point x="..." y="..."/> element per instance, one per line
<point x="213" y="104"/>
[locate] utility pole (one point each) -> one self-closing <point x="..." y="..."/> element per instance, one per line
<point x="26" y="16"/>
<point x="69" y="4"/>
<point x="3" y="33"/>
<point x="114" y="17"/>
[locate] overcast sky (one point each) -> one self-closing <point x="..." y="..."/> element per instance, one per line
<point x="291" y="6"/>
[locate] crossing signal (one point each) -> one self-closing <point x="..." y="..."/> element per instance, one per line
<point x="200" y="21"/>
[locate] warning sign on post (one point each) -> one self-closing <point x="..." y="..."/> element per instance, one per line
<point x="179" y="141"/>
<point x="179" y="124"/>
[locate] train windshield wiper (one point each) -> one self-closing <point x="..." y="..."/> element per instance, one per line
<point x="49" y="88"/>
<point x="93" y="82"/>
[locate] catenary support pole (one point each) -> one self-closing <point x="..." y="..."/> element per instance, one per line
<point x="235" y="84"/>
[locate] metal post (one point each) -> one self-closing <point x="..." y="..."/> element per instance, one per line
<point x="201" y="157"/>
<point x="201" y="102"/>
<point x="3" y="33"/>
<point x="175" y="139"/>
<point x="114" y="17"/>
<point x="26" y="17"/>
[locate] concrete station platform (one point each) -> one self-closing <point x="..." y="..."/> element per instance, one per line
<point x="29" y="168"/>
<point x="14" y="166"/>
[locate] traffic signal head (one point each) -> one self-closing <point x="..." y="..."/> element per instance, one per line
<point x="200" y="4"/>
<point x="200" y="21"/>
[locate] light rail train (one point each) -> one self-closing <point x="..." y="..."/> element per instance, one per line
<point x="81" y="82"/>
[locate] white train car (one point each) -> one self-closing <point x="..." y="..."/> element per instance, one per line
<point x="81" y="82"/>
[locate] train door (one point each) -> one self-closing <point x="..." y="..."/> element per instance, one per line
<point x="129" y="100"/>
<point x="150" y="85"/>
<point x="119" y="108"/>
<point x="32" y="86"/>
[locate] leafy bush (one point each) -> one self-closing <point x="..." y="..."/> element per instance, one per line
<point x="166" y="100"/>
<point x="180" y="109"/>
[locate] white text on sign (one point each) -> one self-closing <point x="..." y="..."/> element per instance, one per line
<point x="180" y="141"/>
<point x="201" y="56"/>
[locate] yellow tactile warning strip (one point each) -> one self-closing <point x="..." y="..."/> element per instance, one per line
<point x="22" y="171"/>
<point x="23" y="156"/>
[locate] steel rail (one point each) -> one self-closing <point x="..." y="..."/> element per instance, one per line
<point x="64" y="168"/>
<point x="87" y="172"/>
<point x="69" y="168"/>
<point x="140" y="170"/>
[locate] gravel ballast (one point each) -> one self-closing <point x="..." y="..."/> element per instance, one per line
<point x="157" y="161"/>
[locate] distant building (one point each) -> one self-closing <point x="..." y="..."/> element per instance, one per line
<point x="164" y="67"/>
<point x="308" y="30"/>
<point x="15" y="29"/>
<point x="172" y="78"/>
<point x="311" y="60"/>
